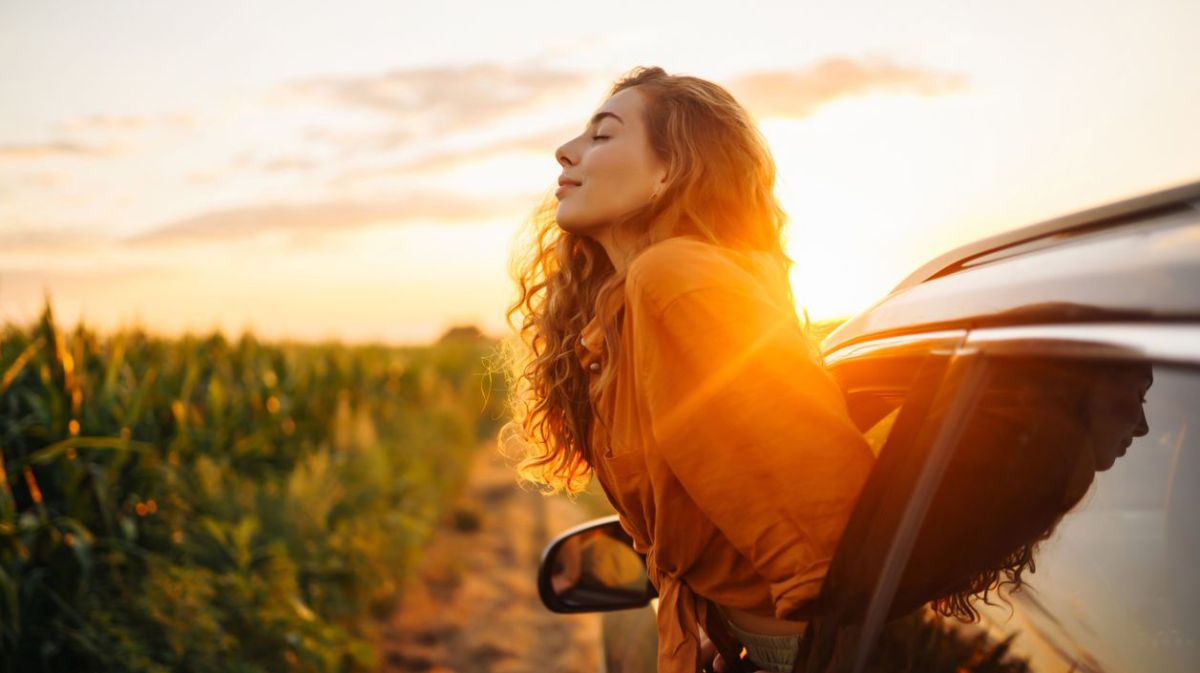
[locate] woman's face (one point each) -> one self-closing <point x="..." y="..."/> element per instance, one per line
<point x="1118" y="414"/>
<point x="612" y="163"/>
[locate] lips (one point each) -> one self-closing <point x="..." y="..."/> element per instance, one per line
<point x="563" y="181"/>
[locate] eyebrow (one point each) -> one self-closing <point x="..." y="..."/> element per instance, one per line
<point x="601" y="115"/>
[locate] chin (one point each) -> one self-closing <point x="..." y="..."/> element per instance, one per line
<point x="568" y="226"/>
<point x="1106" y="461"/>
<point x="572" y="224"/>
<point x="565" y="219"/>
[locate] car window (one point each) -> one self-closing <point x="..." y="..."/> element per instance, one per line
<point x="877" y="381"/>
<point x="1116" y="585"/>
<point x="1079" y="478"/>
<point x="890" y="397"/>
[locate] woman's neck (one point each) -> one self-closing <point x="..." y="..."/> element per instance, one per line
<point x="620" y="248"/>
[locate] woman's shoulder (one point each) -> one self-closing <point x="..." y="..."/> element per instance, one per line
<point x="675" y="266"/>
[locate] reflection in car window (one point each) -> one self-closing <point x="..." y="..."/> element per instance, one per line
<point x="1080" y="480"/>
<point x="877" y="434"/>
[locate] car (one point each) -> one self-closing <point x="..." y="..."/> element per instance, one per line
<point x="1035" y="400"/>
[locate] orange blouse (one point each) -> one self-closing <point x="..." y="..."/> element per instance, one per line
<point x="733" y="462"/>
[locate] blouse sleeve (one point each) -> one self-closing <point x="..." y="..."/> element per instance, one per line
<point x="754" y="428"/>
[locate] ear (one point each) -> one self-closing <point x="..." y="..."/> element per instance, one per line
<point x="660" y="184"/>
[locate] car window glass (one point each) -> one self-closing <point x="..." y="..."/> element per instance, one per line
<point x="1063" y="472"/>
<point x="889" y="399"/>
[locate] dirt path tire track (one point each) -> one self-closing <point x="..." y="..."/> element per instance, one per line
<point x="472" y="606"/>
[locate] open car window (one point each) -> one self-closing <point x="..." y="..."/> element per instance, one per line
<point x="890" y="389"/>
<point x="877" y="379"/>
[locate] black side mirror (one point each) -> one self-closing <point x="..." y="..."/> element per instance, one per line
<point x="593" y="568"/>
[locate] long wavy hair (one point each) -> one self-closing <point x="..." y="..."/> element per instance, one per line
<point x="720" y="187"/>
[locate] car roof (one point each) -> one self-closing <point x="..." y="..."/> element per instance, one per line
<point x="1134" y="259"/>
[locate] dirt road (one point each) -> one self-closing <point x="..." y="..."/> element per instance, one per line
<point x="473" y="605"/>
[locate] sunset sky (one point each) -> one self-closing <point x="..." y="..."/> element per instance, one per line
<point x="359" y="170"/>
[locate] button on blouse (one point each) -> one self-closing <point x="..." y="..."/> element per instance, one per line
<point x="590" y="347"/>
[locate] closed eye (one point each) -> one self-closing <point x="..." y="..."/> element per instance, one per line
<point x="598" y="137"/>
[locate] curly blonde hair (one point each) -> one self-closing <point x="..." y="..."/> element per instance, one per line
<point x="720" y="187"/>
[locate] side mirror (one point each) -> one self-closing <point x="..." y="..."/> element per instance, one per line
<point x="593" y="568"/>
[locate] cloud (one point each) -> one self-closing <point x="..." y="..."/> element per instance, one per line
<point x="59" y="148"/>
<point x="22" y="280"/>
<point x="543" y="142"/>
<point x="776" y="93"/>
<point x="61" y="240"/>
<point x="310" y="223"/>
<point x="421" y="108"/>
<point x="110" y="123"/>
<point x="203" y="178"/>
<point x="97" y="130"/>
<point x="442" y="99"/>
<point x="288" y="163"/>
<point x="302" y="225"/>
<point x="798" y="93"/>
<point x="45" y="179"/>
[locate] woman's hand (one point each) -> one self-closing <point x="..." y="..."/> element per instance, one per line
<point x="708" y="654"/>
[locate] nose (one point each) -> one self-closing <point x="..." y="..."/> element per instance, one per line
<point x="561" y="155"/>
<point x="1142" y="427"/>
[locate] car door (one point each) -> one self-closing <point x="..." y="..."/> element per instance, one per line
<point x="1060" y="459"/>
<point x="894" y="387"/>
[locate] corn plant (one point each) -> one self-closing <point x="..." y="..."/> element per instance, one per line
<point x="202" y="504"/>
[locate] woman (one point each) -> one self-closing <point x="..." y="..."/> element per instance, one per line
<point x="662" y="352"/>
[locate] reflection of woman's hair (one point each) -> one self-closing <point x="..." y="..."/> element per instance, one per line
<point x="1025" y="460"/>
<point x="958" y="603"/>
<point x="719" y="187"/>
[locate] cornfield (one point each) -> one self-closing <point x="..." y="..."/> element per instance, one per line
<point x="201" y="504"/>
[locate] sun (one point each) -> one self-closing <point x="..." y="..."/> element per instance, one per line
<point x="853" y="196"/>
